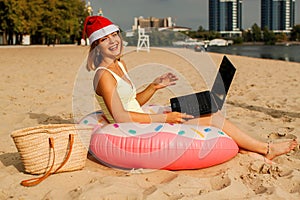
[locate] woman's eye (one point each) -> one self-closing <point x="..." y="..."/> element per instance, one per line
<point x="103" y="39"/>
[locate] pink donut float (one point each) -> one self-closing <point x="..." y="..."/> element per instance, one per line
<point x="158" y="145"/>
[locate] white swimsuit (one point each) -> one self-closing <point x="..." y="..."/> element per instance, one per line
<point x="126" y="91"/>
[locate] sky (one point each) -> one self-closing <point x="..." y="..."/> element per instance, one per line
<point x="187" y="13"/>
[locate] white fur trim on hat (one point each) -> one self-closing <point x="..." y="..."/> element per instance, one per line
<point x="103" y="32"/>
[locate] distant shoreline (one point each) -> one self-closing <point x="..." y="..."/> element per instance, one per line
<point x="277" y="43"/>
<point x="285" y="52"/>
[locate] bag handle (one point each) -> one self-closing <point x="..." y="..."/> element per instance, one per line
<point x="35" y="181"/>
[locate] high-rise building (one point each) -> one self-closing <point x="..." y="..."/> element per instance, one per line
<point x="278" y="15"/>
<point x="225" y="16"/>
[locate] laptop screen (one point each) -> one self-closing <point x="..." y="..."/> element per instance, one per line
<point x="223" y="81"/>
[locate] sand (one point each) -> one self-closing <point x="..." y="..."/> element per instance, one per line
<point x="37" y="86"/>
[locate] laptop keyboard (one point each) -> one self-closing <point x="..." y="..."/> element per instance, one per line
<point x="195" y="104"/>
<point x="207" y="100"/>
<point x="205" y="103"/>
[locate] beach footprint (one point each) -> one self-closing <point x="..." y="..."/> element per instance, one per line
<point x="275" y="170"/>
<point x="220" y="182"/>
<point x="75" y="193"/>
<point x="256" y="184"/>
<point x="283" y="133"/>
<point x="261" y="174"/>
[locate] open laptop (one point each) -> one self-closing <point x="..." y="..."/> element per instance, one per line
<point x="207" y="102"/>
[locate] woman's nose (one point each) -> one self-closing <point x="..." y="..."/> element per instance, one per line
<point x="111" y="39"/>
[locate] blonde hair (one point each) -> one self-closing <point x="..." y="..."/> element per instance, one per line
<point x="95" y="57"/>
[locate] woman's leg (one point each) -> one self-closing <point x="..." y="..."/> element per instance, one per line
<point x="243" y="140"/>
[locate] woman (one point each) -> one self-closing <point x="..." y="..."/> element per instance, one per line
<point x="120" y="102"/>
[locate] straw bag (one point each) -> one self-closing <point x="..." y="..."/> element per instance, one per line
<point x="48" y="149"/>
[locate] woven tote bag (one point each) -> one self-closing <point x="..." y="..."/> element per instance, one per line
<point x="53" y="148"/>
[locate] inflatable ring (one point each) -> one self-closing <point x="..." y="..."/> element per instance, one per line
<point x="158" y="145"/>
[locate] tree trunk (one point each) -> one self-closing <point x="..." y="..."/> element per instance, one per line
<point x="10" y="38"/>
<point x="4" y="38"/>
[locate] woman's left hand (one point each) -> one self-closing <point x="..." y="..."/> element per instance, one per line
<point x="165" y="80"/>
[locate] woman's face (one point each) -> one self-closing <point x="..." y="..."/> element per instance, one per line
<point x="110" y="45"/>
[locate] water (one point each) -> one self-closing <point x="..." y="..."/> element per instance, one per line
<point x="278" y="52"/>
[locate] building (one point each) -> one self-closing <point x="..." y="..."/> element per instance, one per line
<point x="225" y="16"/>
<point x="89" y="8"/>
<point x="152" y="22"/>
<point x="278" y="15"/>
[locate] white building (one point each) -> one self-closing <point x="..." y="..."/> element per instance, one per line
<point x="152" y="22"/>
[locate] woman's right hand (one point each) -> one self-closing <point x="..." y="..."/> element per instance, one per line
<point x="177" y="117"/>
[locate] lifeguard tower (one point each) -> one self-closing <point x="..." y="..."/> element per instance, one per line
<point x="143" y="40"/>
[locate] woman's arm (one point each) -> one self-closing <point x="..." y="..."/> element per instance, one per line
<point x="105" y="86"/>
<point x="159" y="83"/>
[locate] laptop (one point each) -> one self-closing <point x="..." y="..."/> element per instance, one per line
<point x="207" y="102"/>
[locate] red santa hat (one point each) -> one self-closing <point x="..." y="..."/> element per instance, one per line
<point x="96" y="27"/>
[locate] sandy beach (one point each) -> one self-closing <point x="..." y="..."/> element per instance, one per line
<point x="37" y="85"/>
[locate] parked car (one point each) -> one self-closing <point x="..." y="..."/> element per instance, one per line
<point x="199" y="48"/>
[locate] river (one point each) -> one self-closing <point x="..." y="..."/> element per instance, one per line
<point x="277" y="52"/>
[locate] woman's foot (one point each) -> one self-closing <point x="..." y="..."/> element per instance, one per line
<point x="277" y="149"/>
<point x="256" y="156"/>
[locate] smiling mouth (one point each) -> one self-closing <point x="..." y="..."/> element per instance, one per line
<point x="114" y="47"/>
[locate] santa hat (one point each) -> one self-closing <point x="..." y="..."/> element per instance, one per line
<point x="96" y="27"/>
